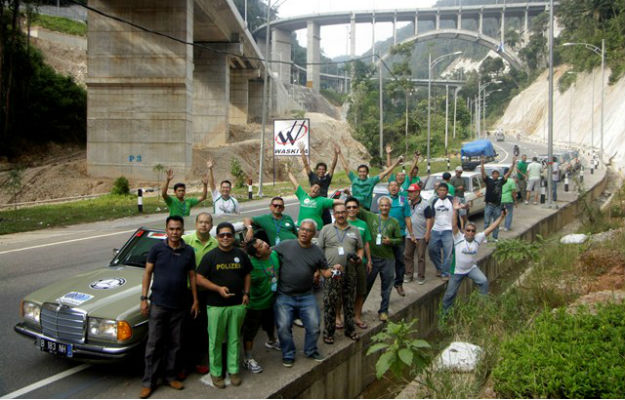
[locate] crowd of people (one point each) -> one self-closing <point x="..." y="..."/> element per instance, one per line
<point x="206" y="298"/>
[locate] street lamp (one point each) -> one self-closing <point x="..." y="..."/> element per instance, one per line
<point x="479" y="111"/>
<point x="486" y="94"/>
<point x="600" y="52"/>
<point x="431" y="65"/>
<point x="571" y="104"/>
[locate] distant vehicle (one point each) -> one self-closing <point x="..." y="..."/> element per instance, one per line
<point x="499" y="136"/>
<point x="516" y="150"/>
<point x="472" y="152"/>
<point x="474" y="191"/>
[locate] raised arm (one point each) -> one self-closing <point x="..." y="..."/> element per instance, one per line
<point x="343" y="162"/>
<point x="454" y="216"/>
<point x="168" y="178"/>
<point x="334" y="159"/>
<point x="205" y="188"/>
<point x="482" y="168"/>
<point x="307" y="169"/>
<point x="507" y="174"/>
<point x="414" y="164"/>
<point x="390" y="169"/>
<point x="249" y="229"/>
<point x="292" y="178"/>
<point x="388" y="149"/>
<point x="211" y="178"/>
<point x="494" y="225"/>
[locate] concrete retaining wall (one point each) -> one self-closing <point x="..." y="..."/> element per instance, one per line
<point x="348" y="372"/>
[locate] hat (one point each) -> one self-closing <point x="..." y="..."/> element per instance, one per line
<point x="414" y="188"/>
<point x="458" y="168"/>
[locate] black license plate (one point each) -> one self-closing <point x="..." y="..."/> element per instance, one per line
<point x="56" y="348"/>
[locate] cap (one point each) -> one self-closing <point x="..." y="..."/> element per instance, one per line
<point x="414" y="187"/>
<point x="459" y="168"/>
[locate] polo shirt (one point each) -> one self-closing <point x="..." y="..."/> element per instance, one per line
<point x="224" y="206"/>
<point x="283" y="228"/>
<point x="506" y="191"/>
<point x="200" y="249"/>
<point x="311" y="207"/>
<point x="180" y="208"/>
<point x="263" y="273"/>
<point x="389" y="228"/>
<point x="171" y="270"/>
<point x="522" y="167"/>
<point x="362" y="189"/>
<point x="400" y="209"/>
<point x="365" y="233"/>
<point x="331" y="238"/>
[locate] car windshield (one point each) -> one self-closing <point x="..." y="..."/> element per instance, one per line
<point x="433" y="182"/>
<point x="135" y="252"/>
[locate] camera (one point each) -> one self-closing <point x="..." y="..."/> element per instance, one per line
<point x="353" y="258"/>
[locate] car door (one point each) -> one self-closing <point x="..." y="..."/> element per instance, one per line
<point x="478" y="188"/>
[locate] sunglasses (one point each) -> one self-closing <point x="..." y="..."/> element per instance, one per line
<point x="278" y="205"/>
<point x="225" y="235"/>
<point x="351" y="207"/>
<point x="469" y="230"/>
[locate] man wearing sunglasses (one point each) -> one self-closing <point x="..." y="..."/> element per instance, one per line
<point x="225" y="273"/>
<point x="277" y="226"/>
<point x="466" y="246"/>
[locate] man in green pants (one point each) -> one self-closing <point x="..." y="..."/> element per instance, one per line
<point x="225" y="272"/>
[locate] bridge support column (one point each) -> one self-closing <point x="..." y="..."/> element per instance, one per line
<point x="395" y="29"/>
<point x="352" y="36"/>
<point x="373" y="38"/>
<point x="480" y="24"/>
<point x="526" y="31"/>
<point x="438" y="20"/>
<point x="239" y="97"/>
<point x="255" y="100"/>
<point x="459" y="21"/>
<point x="416" y="23"/>
<point x="313" y="55"/>
<point x="139" y="90"/>
<point x="503" y="28"/>
<point x="281" y="51"/>
<point x="211" y="97"/>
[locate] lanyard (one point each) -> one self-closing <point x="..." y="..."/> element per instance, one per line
<point x="382" y="228"/>
<point x="338" y="237"/>
<point x="278" y="225"/>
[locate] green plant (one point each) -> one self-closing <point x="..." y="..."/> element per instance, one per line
<point x="60" y="24"/>
<point x="401" y="349"/>
<point x="517" y="250"/>
<point x="14" y="183"/>
<point x="121" y="186"/>
<point x="565" y="356"/>
<point x="159" y="169"/>
<point x="237" y="172"/>
<point x="298" y="114"/>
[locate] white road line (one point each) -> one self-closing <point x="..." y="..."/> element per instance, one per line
<point x="502" y="149"/>
<point x="104" y="235"/>
<point x="47" y="381"/>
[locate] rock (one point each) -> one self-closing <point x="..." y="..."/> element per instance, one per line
<point x="574" y="238"/>
<point x="459" y="356"/>
<point x="603" y="236"/>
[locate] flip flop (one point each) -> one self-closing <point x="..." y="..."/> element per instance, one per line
<point x="362" y="325"/>
<point x="339" y="326"/>
<point x="353" y="336"/>
<point x="328" y="340"/>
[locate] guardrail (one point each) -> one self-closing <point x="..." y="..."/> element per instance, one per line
<point x="65" y="199"/>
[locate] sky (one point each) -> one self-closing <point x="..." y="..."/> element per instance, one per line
<point x="334" y="38"/>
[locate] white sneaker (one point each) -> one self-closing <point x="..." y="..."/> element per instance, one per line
<point x="504" y="229"/>
<point x="527" y="202"/>
<point x="273" y="345"/>
<point x="298" y="322"/>
<point x="252" y="366"/>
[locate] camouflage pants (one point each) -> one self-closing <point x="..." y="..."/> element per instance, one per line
<point x="335" y="292"/>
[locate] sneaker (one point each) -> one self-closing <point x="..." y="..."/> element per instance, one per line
<point x="253" y="366"/>
<point x="534" y="203"/>
<point x="383" y="317"/>
<point x="287" y="362"/>
<point x="421" y="281"/>
<point x="175" y="385"/>
<point x="495" y="240"/>
<point x="400" y="291"/>
<point x="504" y="229"/>
<point x="218" y="382"/>
<point x="317" y="356"/>
<point x="408" y="278"/>
<point x="275" y="345"/>
<point x="235" y="379"/>
<point x="527" y="202"/>
<point x="298" y="322"/>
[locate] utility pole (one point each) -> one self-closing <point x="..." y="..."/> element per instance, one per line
<point x="264" y="103"/>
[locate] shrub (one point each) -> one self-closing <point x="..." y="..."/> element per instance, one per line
<point x="121" y="186"/>
<point x="237" y="172"/>
<point x="565" y="356"/>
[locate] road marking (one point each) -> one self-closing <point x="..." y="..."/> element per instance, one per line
<point x="105" y="235"/>
<point x="502" y="149"/>
<point x="47" y="381"/>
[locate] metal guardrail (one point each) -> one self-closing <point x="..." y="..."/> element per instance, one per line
<point x="69" y="199"/>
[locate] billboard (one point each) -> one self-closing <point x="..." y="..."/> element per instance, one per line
<point x="287" y="136"/>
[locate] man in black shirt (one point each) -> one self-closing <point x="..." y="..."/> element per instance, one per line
<point x="492" y="210"/>
<point x="320" y="177"/>
<point x="225" y="273"/>
<point x="171" y="262"/>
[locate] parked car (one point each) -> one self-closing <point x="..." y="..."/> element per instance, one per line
<point x="474" y="191"/>
<point x="95" y="315"/>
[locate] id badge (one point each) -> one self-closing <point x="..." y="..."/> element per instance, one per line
<point x="274" y="284"/>
<point x="341" y="251"/>
<point x="277" y="241"/>
<point x="378" y="239"/>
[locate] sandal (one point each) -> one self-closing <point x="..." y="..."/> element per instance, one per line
<point x="353" y="336"/>
<point x="339" y="326"/>
<point x="328" y="340"/>
<point x="362" y="325"/>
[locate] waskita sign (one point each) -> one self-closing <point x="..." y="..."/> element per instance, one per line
<point x="287" y="136"/>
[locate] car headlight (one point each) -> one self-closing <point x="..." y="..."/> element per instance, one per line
<point x="109" y="329"/>
<point x="31" y="311"/>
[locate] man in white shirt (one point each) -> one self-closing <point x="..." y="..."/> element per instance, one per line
<point x="466" y="246"/>
<point x="223" y="203"/>
<point x="440" y="231"/>
<point x="534" y="170"/>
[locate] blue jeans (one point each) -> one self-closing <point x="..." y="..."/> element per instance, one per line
<point x="554" y="190"/>
<point x="491" y="213"/>
<point x="400" y="265"/>
<point x="509" y="210"/>
<point x="441" y="240"/>
<point x="386" y="269"/>
<point x="475" y="275"/>
<point x="286" y="308"/>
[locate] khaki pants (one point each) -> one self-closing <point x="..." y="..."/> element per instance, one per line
<point x="409" y="256"/>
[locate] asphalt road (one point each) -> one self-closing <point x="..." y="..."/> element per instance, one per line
<point x="31" y="260"/>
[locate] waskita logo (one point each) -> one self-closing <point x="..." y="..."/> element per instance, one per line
<point x="297" y="131"/>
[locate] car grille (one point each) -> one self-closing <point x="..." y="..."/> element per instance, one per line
<point x="63" y="323"/>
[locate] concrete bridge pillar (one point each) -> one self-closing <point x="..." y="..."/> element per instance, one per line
<point x="459" y="21"/>
<point x="239" y="96"/>
<point x="395" y="29"/>
<point x="255" y="100"/>
<point x="313" y="55"/>
<point x="503" y="28"/>
<point x="373" y="38"/>
<point x="438" y="20"/>
<point x="211" y="97"/>
<point x="416" y="23"/>
<point x="480" y="24"/>
<point x="352" y="36"/>
<point x="139" y="108"/>
<point x="526" y="31"/>
<point x="281" y="51"/>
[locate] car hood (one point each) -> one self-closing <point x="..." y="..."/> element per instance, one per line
<point x="110" y="292"/>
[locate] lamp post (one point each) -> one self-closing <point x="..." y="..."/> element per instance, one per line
<point x="486" y="94"/>
<point x="571" y="105"/>
<point x="481" y="113"/>
<point x="264" y="103"/>
<point x="600" y="52"/>
<point x="431" y="65"/>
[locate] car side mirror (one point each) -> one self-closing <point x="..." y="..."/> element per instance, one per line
<point x="115" y="252"/>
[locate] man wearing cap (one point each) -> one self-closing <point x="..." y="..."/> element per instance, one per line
<point x="458" y="183"/>
<point x="422" y="220"/>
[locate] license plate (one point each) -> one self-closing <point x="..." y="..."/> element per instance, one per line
<point x="56" y="348"/>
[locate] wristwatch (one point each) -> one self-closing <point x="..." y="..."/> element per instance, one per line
<point x="144" y="298"/>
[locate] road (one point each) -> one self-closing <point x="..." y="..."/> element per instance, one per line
<point x="31" y="260"/>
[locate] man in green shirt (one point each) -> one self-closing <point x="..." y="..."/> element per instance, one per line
<point x="521" y="167"/>
<point x="194" y="330"/>
<point x="508" y="201"/>
<point x="402" y="179"/>
<point x="311" y="204"/>
<point x="450" y="188"/>
<point x="277" y="226"/>
<point x="265" y="272"/>
<point x="178" y="205"/>
<point x="353" y="206"/>
<point x="386" y="234"/>
<point x="362" y="184"/>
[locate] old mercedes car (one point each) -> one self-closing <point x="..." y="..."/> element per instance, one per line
<point x="94" y="315"/>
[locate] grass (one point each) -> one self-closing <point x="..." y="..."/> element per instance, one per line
<point x="60" y="24"/>
<point x="111" y="207"/>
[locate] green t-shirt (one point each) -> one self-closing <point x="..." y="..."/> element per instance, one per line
<point x="180" y="208"/>
<point x="311" y="208"/>
<point x="522" y="167"/>
<point x="365" y="233"/>
<point x="506" y="191"/>
<point x="387" y="228"/>
<point x="199" y="248"/>
<point x="362" y="189"/>
<point x="452" y="189"/>
<point x="263" y="272"/>
<point x="403" y="190"/>
<point x="284" y="228"/>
